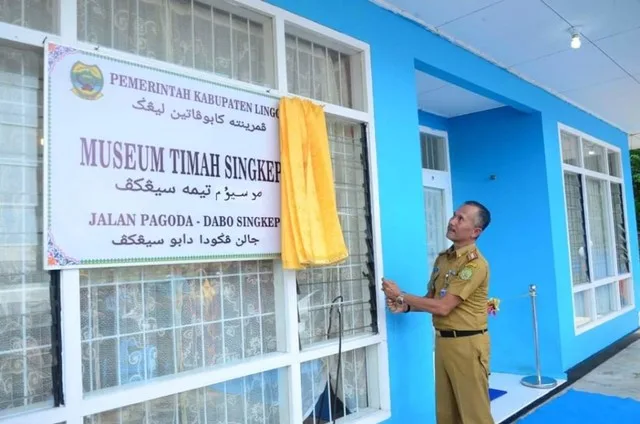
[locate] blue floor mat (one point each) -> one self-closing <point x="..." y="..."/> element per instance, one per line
<point x="575" y="407"/>
<point x="495" y="394"/>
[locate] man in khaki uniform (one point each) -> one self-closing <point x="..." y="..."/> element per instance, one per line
<point x="457" y="299"/>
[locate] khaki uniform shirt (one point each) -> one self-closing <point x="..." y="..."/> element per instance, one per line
<point x="464" y="273"/>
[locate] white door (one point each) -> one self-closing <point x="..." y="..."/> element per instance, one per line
<point x="436" y="185"/>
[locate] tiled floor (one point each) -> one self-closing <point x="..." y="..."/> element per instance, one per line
<point x="619" y="376"/>
<point x="516" y="398"/>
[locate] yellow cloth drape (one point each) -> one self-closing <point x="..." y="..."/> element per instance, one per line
<point x="311" y="232"/>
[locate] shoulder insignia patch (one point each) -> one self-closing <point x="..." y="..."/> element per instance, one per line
<point x="465" y="273"/>
<point x="472" y="255"/>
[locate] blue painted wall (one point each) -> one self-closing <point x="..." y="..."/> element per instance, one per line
<point x="395" y="53"/>
<point x="518" y="244"/>
<point x="433" y="121"/>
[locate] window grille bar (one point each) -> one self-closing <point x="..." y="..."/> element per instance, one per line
<point x="371" y="273"/>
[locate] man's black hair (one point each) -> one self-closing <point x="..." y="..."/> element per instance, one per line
<point x="483" y="216"/>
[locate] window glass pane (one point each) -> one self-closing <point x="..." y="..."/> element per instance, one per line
<point x="191" y="34"/>
<point x="577" y="233"/>
<point x="622" y="254"/>
<point x="25" y="305"/>
<point x="254" y="399"/>
<point x="614" y="164"/>
<point x="594" y="157"/>
<point x="626" y="293"/>
<point x="320" y="287"/>
<point x="319" y="384"/>
<point x="318" y="72"/>
<point x="141" y="323"/>
<point x="42" y="15"/>
<point x="606" y="300"/>
<point x="582" y="307"/>
<point x="601" y="241"/>
<point x="570" y="148"/>
<point x="434" y="152"/>
<point x="437" y="220"/>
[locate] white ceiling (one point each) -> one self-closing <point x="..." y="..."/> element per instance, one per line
<point x="448" y="100"/>
<point x="531" y="38"/>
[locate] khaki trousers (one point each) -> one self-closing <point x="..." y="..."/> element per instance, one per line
<point x="462" y="380"/>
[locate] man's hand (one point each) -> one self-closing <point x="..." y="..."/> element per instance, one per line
<point x="394" y="307"/>
<point x="390" y="289"/>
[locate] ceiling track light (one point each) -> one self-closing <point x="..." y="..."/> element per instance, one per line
<point x="576" y="42"/>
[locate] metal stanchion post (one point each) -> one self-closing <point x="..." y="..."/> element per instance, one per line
<point x="537" y="381"/>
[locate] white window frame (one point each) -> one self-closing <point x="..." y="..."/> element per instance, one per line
<point x="438" y="179"/>
<point x="432" y="178"/>
<point x="592" y="285"/>
<point x="78" y="404"/>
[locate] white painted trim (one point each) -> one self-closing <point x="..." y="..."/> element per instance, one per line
<point x="433" y="131"/>
<point x="294" y="384"/>
<point x="591" y="286"/>
<point x="330" y="348"/>
<point x="130" y="394"/>
<point x="365" y="416"/>
<point x="290" y="313"/>
<point x="439" y="179"/>
<point x="628" y="239"/>
<point x="279" y="38"/>
<point x="445" y="135"/>
<point x="68" y="24"/>
<point x="71" y="343"/>
<point x="286" y="324"/>
<point x="270" y="58"/>
<point x="343" y="112"/>
<point x="593" y="324"/>
<point x="590" y="173"/>
<point x="603" y="282"/>
<point x="588" y="137"/>
<point x="384" y="389"/>
<point x="398" y="11"/>
<point x="49" y="415"/>
<point x="380" y="395"/>
<point x="589" y="243"/>
<point x="22" y="35"/>
<point x="374" y="395"/>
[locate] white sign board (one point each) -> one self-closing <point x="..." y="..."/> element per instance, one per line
<point x="144" y="166"/>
